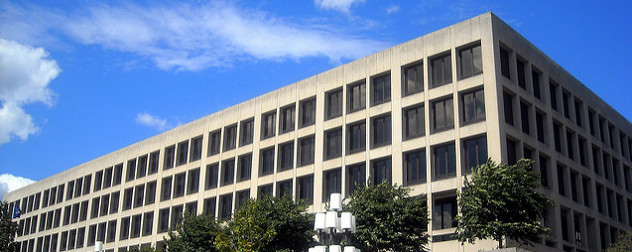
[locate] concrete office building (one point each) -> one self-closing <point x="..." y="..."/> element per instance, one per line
<point x="419" y="114"/>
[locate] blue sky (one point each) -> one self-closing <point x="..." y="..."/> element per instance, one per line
<point x="80" y="79"/>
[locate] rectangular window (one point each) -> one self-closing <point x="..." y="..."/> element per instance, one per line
<point x="522" y="79"/>
<point x="470" y="61"/>
<point x="412" y="79"/>
<point x="333" y="143"/>
<point x="602" y="129"/>
<point x="92" y="234"/>
<point x="305" y="188"/>
<point x="591" y="121"/>
<point x="114" y="203"/>
<point x="286" y="156"/>
<point x="441" y="69"/>
<point x="553" y="94"/>
<point x="473" y="106"/>
<point x="512" y="155"/>
<point x="356" y="137"/>
<point x="101" y="231"/>
<point x="163" y="220"/>
<point x="268" y="122"/>
<point x="141" y="167"/>
<point x="307" y="112"/>
<point x="165" y="188"/>
<point x="611" y="132"/>
<point x="178" y="184"/>
<point x="570" y="143"/>
<point x="561" y="186"/>
<point x="116" y="180"/>
<point x="535" y="78"/>
<point x="154" y="159"/>
<point x="381" y="131"/>
<point x="266" y="163"/>
<point x="124" y="229"/>
<point x="544" y="171"/>
<point x="69" y="193"/>
<point x="148" y="223"/>
<point x="228" y="172"/>
<point x="98" y="180"/>
<point x="265" y="190"/>
<point x="444" y="211"/>
<point x="196" y="148"/>
<point x="128" y="197"/>
<point x="81" y="233"/>
<point x="176" y="216"/>
<point x="136" y="225"/>
<point x="193" y="183"/>
<point x="413" y="122"/>
<point x="230" y="137"/>
<point x="306" y="150"/>
<point x="566" y="105"/>
<point x="524" y="117"/>
<point x="78" y="187"/>
<point x="442" y="114"/>
<point x="284" y="188"/>
<point x="131" y="170"/>
<point x="170" y="154"/>
<point x="508" y="106"/>
<point x="539" y="123"/>
<point x="333" y="104"/>
<point x="414" y="167"/>
<point x="225" y="206"/>
<point x="504" y="63"/>
<point x="139" y="195"/>
<point x="582" y="149"/>
<point x="209" y="206"/>
<point x="474" y="152"/>
<point x="381" y="89"/>
<point x="578" y="113"/>
<point x="105" y="204"/>
<point x="286" y="119"/>
<point x="381" y="170"/>
<point x="190" y="208"/>
<point x="93" y="214"/>
<point x="183" y="152"/>
<point x="356" y="97"/>
<point x="244" y="164"/>
<point x="246" y="131"/>
<point x="331" y="183"/>
<point x="557" y="137"/>
<point x="444" y="161"/>
<point x="356" y="177"/>
<point x="214" y="142"/>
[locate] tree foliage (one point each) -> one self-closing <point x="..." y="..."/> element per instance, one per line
<point x="500" y="201"/>
<point x="623" y="244"/>
<point x="247" y="232"/>
<point x="388" y="219"/>
<point x="194" y="234"/>
<point x="8" y="229"/>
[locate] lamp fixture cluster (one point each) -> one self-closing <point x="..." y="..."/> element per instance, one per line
<point x="334" y="225"/>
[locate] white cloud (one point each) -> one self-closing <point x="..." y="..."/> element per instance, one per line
<point x="151" y="121"/>
<point x="10" y="183"/>
<point x="338" y="5"/>
<point x="25" y="73"/>
<point x="392" y="9"/>
<point x="190" y="37"/>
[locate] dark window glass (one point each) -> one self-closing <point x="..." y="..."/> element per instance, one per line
<point x="131" y="170"/>
<point x="148" y="223"/>
<point x="333" y="104"/>
<point x="154" y="158"/>
<point x="116" y="180"/>
<point x="444" y="213"/>
<point x="553" y="94"/>
<point x="512" y="155"/>
<point x="125" y="226"/>
<point x="196" y="148"/>
<point x="307" y="112"/>
<point x="230" y="137"/>
<point x="244" y="165"/>
<point x="214" y="142"/>
<point x="539" y="123"/>
<point x="473" y="106"/>
<point x="178" y="184"/>
<point x="105" y="204"/>
<point x="128" y="197"/>
<point x="560" y="180"/>
<point x="136" y="225"/>
<point x="94" y="213"/>
<point x="266" y="163"/>
<point x="305" y="188"/>
<point x="331" y="183"/>
<point x="165" y="188"/>
<point x="356" y="97"/>
<point x="176" y="215"/>
<point x="163" y="220"/>
<point x="522" y="80"/>
<point x="380" y="89"/>
<point x="444" y="161"/>
<point x="228" y="172"/>
<point x="544" y="171"/>
<point x="565" y="104"/>
<point x="442" y="115"/>
<point x="557" y="137"/>
<point x="268" y="122"/>
<point x="413" y="122"/>
<point x="141" y="166"/>
<point x="524" y="116"/>
<point x="535" y="78"/>
<point x="69" y="194"/>
<point x="284" y="188"/>
<point x="193" y="183"/>
<point x="81" y="233"/>
<point x="508" y="106"/>
<point x="246" y="132"/>
<point x="265" y="190"/>
<point x="286" y="119"/>
<point x="381" y="170"/>
<point x="98" y="181"/>
<point x="415" y="167"/>
<point x="92" y="234"/>
<point x="582" y="151"/>
<point x="441" y="70"/>
<point x="413" y="79"/>
<point x="209" y="206"/>
<point x="139" y="195"/>
<point x="114" y="202"/>
<point x="504" y="63"/>
<point x="569" y="144"/>
<point x="170" y="153"/>
<point x="286" y="156"/>
<point x="578" y="113"/>
<point x="183" y="152"/>
<point x="356" y="177"/>
<point x="333" y="143"/>
<point x="306" y="151"/>
<point x="356" y="137"/>
<point x="190" y="208"/>
<point x="225" y="206"/>
<point x="474" y="152"/>
<point x="381" y="131"/>
<point x="470" y="61"/>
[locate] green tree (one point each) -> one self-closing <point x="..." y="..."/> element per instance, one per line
<point x="388" y="219"/>
<point x="8" y="229"/>
<point x="247" y="232"/>
<point x="193" y="234"/>
<point x="501" y="201"/>
<point x="623" y="244"/>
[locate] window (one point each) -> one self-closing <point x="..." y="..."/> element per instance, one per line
<point x="565" y="104"/>
<point x="470" y="61"/>
<point x="381" y="131"/>
<point x="444" y="161"/>
<point x="196" y="148"/>
<point x="544" y="173"/>
<point x="535" y="78"/>
<point x="228" y="171"/>
<point x="286" y="156"/>
<point x="306" y="150"/>
<point x="178" y="184"/>
<point x="331" y="183"/>
<point x="268" y="122"/>
<point x="553" y="94"/>
<point x="413" y="122"/>
<point x="93" y="214"/>
<point x="118" y="177"/>
<point x="105" y="203"/>
<point x="307" y="112"/>
<point x="265" y="190"/>
<point x="128" y="197"/>
<point x="508" y="106"/>
<point x="131" y="170"/>
<point x="412" y="79"/>
<point x="333" y="104"/>
<point x="522" y="80"/>
<point x="246" y="132"/>
<point x="165" y="188"/>
<point x="169" y="157"/>
<point x="212" y="173"/>
<point x="148" y="223"/>
<point x="512" y="155"/>
<point x="578" y="113"/>
<point x="539" y="123"/>
<point x="214" y="139"/>
<point x="441" y="70"/>
<point x="414" y="167"/>
<point x="356" y="137"/>
<point x="98" y="181"/>
<point x="183" y="152"/>
<point x="333" y="143"/>
<point x="557" y="137"/>
<point x="284" y="188"/>
<point x="561" y="186"/>
<point x="474" y="152"/>
<point x="286" y="119"/>
<point x="81" y="232"/>
<point x="380" y="89"/>
<point x="582" y="151"/>
<point x="230" y="136"/>
<point x="524" y="117"/>
<point x="442" y="114"/>
<point x="209" y="206"/>
<point x="381" y="170"/>
<point x="136" y="225"/>
<point x="154" y="158"/>
<point x="69" y="194"/>
<point x="225" y="206"/>
<point x="163" y="220"/>
<point x="193" y="183"/>
<point x="356" y="96"/>
<point x="176" y="215"/>
<point x="444" y="211"/>
<point x="266" y="164"/>
<point x="305" y="188"/>
<point x="191" y="208"/>
<point x="504" y="63"/>
<point x="473" y="106"/>
<point x="356" y="177"/>
<point x="244" y="165"/>
<point x="570" y="136"/>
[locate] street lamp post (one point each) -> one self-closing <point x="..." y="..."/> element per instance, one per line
<point x="333" y="226"/>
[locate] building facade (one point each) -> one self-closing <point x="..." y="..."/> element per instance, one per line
<point x="419" y="114"/>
